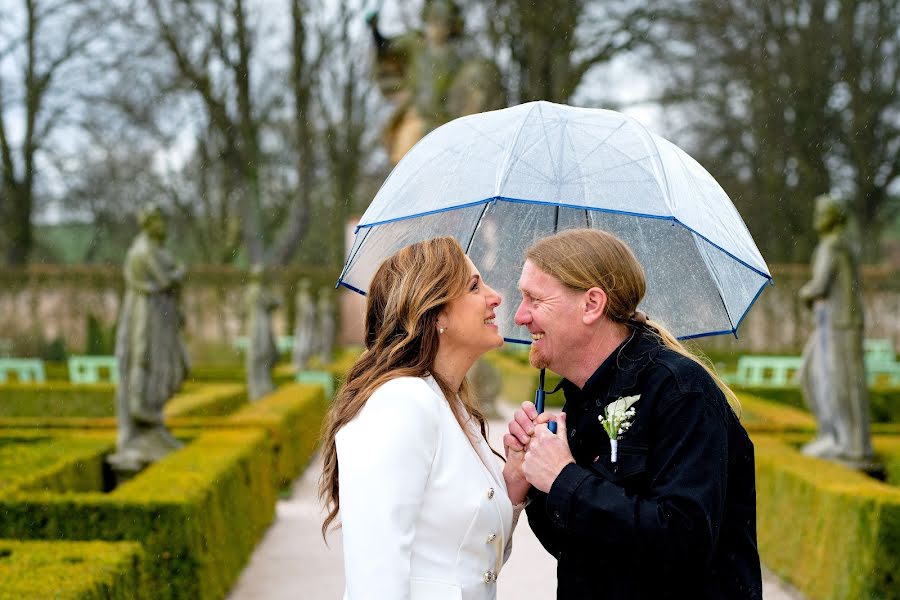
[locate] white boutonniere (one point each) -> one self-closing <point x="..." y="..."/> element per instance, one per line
<point x="616" y="419"/>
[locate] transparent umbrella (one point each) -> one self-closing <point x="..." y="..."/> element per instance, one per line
<point x="498" y="181"/>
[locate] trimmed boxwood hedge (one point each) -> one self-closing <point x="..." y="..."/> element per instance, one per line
<point x="58" y="463"/>
<point x="57" y="398"/>
<point x="884" y="403"/>
<point x="843" y="535"/>
<point x="760" y="415"/>
<point x="199" y="513"/>
<point x="92" y="407"/>
<point x="292" y="415"/>
<point x="70" y="570"/>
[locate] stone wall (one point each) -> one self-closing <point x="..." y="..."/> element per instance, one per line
<point x="42" y="303"/>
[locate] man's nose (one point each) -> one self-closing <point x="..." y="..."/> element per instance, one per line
<point x="522" y="315"/>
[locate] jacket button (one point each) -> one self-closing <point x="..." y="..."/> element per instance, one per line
<point x="491" y="538"/>
<point x="490" y="493"/>
<point x="489" y="576"/>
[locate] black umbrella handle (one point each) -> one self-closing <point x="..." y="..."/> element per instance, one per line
<point x="539" y="402"/>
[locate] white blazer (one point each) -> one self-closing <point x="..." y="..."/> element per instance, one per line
<point x="424" y="516"/>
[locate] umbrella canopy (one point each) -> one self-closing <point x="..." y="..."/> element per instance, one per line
<point x="498" y="181"/>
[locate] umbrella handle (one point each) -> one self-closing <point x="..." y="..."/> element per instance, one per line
<point x="539" y="402"/>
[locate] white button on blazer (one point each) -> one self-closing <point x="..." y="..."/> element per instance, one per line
<point x="424" y="514"/>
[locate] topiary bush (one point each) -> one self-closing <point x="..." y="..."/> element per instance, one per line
<point x="72" y="570"/>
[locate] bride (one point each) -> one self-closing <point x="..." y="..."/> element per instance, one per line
<point x="426" y="507"/>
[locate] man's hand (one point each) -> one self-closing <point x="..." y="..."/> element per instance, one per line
<point x="548" y="453"/>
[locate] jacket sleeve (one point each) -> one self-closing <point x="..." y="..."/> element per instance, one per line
<point x="544" y="529"/>
<point x="384" y="459"/>
<point x="679" y="518"/>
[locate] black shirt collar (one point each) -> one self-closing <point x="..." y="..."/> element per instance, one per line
<point x="620" y="370"/>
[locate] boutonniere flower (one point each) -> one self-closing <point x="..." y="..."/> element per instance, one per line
<point x="616" y="419"/>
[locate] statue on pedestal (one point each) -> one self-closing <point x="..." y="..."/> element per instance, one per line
<point x="304" y="327"/>
<point x="326" y="326"/>
<point x="151" y="355"/>
<point x="833" y="376"/>
<point x="262" y="351"/>
<point x="431" y="77"/>
<point x="486" y="384"/>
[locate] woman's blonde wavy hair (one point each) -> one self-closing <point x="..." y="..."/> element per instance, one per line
<point x="586" y="258"/>
<point x="407" y="294"/>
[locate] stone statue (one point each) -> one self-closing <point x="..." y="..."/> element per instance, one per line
<point x="304" y="327"/>
<point x="431" y="77"/>
<point x="262" y="352"/>
<point x="151" y="355"/>
<point x="833" y="377"/>
<point x="326" y="326"/>
<point x="486" y="384"/>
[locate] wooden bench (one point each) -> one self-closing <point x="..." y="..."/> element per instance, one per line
<point x="90" y="369"/>
<point x="26" y="370"/>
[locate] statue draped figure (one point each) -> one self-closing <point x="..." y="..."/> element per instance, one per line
<point x="151" y="355"/>
<point x="833" y="376"/>
<point x="262" y="350"/>
<point x="304" y="327"/>
<point x="326" y="327"/>
<point x="431" y="77"/>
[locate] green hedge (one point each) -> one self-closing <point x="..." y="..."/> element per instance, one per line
<point x="761" y="415"/>
<point x="70" y="570"/>
<point x="56" y="398"/>
<point x="199" y="514"/>
<point x="843" y="538"/>
<point x="282" y="373"/>
<point x="884" y="403"/>
<point x="58" y="463"/>
<point x="93" y="406"/>
<point x="520" y="379"/>
<point x="292" y="415"/>
<point x="207" y="400"/>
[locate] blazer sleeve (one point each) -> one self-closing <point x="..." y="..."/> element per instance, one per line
<point x="384" y="460"/>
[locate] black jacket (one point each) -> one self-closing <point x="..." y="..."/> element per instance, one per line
<point x="675" y="516"/>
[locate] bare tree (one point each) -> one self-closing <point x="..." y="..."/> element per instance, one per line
<point x="38" y="43"/>
<point x="789" y="99"/>
<point x="552" y="45"/>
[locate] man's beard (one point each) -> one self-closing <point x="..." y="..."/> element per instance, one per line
<point x="537" y="358"/>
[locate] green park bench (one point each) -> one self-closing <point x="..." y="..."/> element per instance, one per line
<point x="766" y="371"/>
<point x="882" y="367"/>
<point x="322" y="378"/>
<point x="284" y="343"/>
<point x="27" y="370"/>
<point x="90" y="369"/>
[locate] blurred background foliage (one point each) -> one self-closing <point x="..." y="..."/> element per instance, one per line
<point x="256" y="124"/>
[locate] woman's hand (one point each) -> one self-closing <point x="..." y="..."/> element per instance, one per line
<point x="515" y="443"/>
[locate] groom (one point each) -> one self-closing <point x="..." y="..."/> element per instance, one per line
<point x="649" y="497"/>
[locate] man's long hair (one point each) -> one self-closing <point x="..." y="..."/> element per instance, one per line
<point x="407" y="294"/>
<point x="584" y="258"/>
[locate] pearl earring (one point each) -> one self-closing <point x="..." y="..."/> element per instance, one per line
<point x="441" y="329"/>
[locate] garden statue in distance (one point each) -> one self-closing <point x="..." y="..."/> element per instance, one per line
<point x="304" y="327"/>
<point x="150" y="352"/>
<point x="262" y="351"/>
<point x="326" y="326"/>
<point x="833" y="376"/>
<point x="431" y="77"/>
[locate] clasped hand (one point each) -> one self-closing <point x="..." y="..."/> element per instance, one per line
<point x="535" y="456"/>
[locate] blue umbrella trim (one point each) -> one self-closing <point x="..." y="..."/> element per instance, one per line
<point x="575" y="206"/>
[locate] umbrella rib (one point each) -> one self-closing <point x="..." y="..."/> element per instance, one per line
<point x="594" y="149"/>
<point x="509" y="157"/>
<point x="477" y="225"/>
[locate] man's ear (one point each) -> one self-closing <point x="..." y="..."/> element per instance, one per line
<point x="594" y="305"/>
